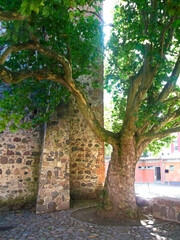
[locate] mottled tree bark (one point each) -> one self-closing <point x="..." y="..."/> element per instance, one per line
<point x="119" y="189"/>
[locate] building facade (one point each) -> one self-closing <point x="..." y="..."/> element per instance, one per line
<point x="164" y="169"/>
<point x="158" y="170"/>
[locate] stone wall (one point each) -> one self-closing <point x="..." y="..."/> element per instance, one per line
<point x="54" y="183"/>
<point x="87" y="168"/>
<point x="71" y="158"/>
<point x="68" y="142"/>
<point x="19" y="168"/>
<point x="166" y="209"/>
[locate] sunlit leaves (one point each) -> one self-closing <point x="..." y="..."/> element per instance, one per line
<point x="157" y="145"/>
<point x="138" y="24"/>
<point x="61" y="27"/>
<point x="30" y="6"/>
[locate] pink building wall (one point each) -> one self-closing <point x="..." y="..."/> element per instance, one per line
<point x="148" y="174"/>
<point x="178" y="134"/>
<point x="146" y="171"/>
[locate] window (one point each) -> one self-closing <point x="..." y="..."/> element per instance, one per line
<point x="171" y="167"/>
<point x="141" y="167"/>
<point x="176" y="148"/>
<point x="145" y="167"/>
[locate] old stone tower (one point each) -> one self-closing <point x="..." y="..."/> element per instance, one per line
<point x="45" y="167"/>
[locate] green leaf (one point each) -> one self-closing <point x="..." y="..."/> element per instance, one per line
<point x="71" y="15"/>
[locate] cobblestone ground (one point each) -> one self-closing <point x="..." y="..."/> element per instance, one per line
<point x="60" y="225"/>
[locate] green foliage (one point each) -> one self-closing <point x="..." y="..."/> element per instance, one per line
<point x="39" y="99"/>
<point x="142" y="29"/>
<point x="108" y="149"/>
<point x="60" y="27"/>
<point x="145" y="153"/>
<point x="30" y="6"/>
<point x="138" y="24"/>
<point x="156" y="146"/>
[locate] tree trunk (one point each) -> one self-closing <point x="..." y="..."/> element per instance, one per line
<point x="119" y="193"/>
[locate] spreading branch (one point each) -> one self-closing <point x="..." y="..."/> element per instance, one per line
<point x="171" y="82"/>
<point x="15" y="77"/>
<point x="86" y="11"/>
<point x="41" y="49"/>
<point x="136" y="80"/>
<point x="169" y="38"/>
<point x="169" y="117"/>
<point x="9" y="76"/>
<point x="174" y="99"/>
<point x="162" y="134"/>
<point x="162" y="38"/>
<point x="94" y="124"/>
<point x="11" y="16"/>
<point x="148" y="74"/>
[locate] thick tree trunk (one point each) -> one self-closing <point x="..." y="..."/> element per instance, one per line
<point x="119" y="193"/>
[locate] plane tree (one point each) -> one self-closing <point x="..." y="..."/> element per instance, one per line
<point x="47" y="45"/>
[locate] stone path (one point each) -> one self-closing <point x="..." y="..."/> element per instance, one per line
<point x="61" y="226"/>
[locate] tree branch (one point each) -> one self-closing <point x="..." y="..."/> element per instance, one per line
<point x="11" y="16"/>
<point x="147" y="123"/>
<point x="145" y="81"/>
<point x="171" y="83"/>
<point x="8" y="76"/>
<point x="90" y="12"/>
<point x="133" y="89"/>
<point x="95" y="126"/>
<point x="145" y="22"/>
<point x="148" y="74"/>
<point x="172" y="99"/>
<point x="14" y="49"/>
<point x="143" y="145"/>
<point x="169" y="38"/>
<point x="43" y="50"/>
<point x="163" y="35"/>
<point x="164" y="120"/>
<point x="15" y="77"/>
<point x="162" y="134"/>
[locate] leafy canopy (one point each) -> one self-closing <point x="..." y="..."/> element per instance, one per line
<point x="59" y="25"/>
<point x="59" y="41"/>
<point x="145" y="43"/>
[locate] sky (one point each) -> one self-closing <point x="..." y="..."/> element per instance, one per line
<point x="108" y="16"/>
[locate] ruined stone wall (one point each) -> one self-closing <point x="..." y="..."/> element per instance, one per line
<point x="19" y="168"/>
<point x="87" y="168"/>
<point x="54" y="187"/>
<point x="42" y="166"/>
<point x="166" y="209"/>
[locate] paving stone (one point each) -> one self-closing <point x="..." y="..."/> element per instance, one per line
<point x="59" y="225"/>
